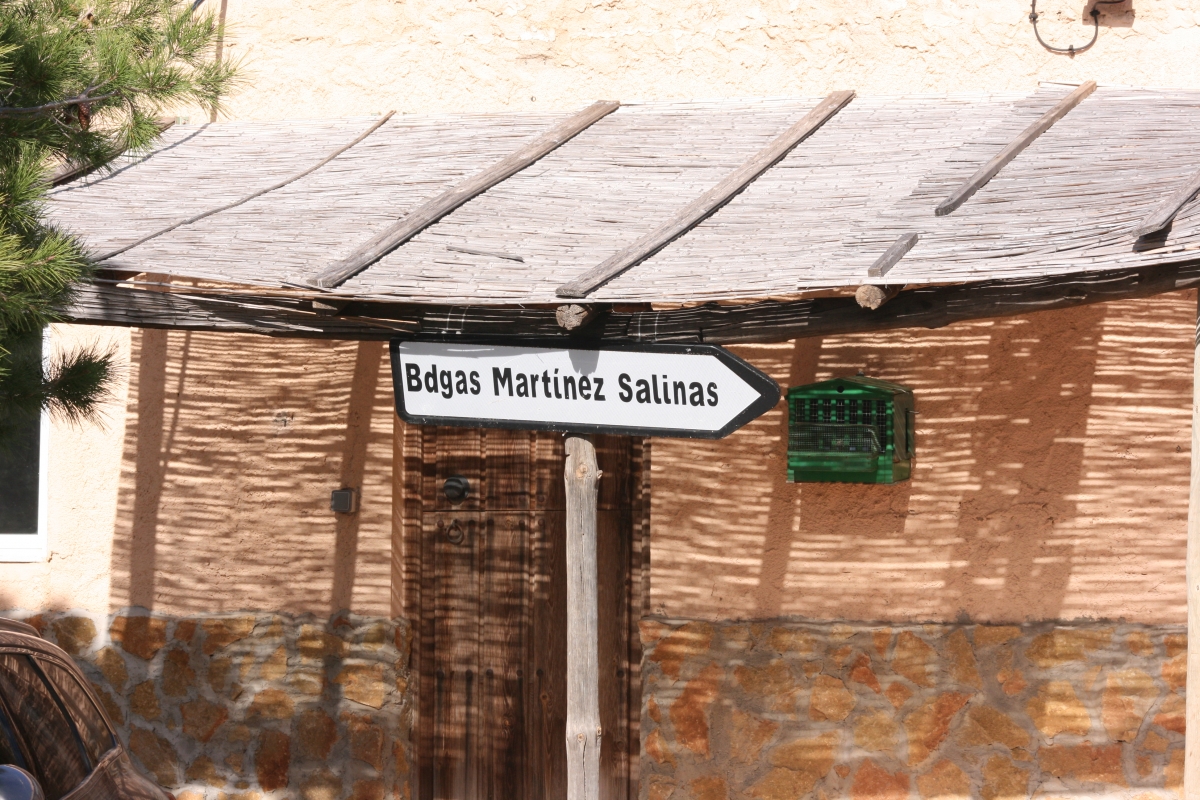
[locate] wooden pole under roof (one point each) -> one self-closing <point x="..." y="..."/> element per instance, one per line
<point x="584" y="731"/>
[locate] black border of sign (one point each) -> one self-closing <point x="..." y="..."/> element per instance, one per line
<point x="768" y="390"/>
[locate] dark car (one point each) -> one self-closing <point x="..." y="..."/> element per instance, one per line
<point x="52" y="727"/>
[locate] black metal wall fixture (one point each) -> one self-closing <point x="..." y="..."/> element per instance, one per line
<point x="1072" y="50"/>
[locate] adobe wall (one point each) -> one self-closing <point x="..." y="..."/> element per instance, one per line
<point x="206" y="488"/>
<point x="1051" y="482"/>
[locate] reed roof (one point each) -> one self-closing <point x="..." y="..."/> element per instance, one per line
<point x="817" y="219"/>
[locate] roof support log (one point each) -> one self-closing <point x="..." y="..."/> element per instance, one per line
<point x="928" y="307"/>
<point x="1013" y="149"/>
<point x="574" y="317"/>
<point x="872" y="297"/>
<point x="1164" y="213"/>
<point x="704" y="206"/>
<point x="435" y="209"/>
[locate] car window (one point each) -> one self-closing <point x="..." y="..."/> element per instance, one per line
<point x="97" y="738"/>
<point x="10" y="749"/>
<point x="51" y="741"/>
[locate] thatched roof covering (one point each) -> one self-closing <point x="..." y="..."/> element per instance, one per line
<point x="817" y="219"/>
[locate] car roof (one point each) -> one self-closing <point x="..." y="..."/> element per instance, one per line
<point x="16" y="626"/>
<point x="15" y="634"/>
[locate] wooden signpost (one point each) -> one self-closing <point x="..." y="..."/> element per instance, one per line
<point x="680" y="391"/>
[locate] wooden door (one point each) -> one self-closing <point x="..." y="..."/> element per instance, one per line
<point x="484" y="579"/>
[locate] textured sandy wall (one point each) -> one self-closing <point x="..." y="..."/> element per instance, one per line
<point x="309" y="58"/>
<point x="1051" y="482"/>
<point x="207" y="489"/>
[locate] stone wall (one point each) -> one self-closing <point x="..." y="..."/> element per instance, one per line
<point x="784" y="710"/>
<point x="253" y="706"/>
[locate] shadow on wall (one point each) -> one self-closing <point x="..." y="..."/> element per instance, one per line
<point x="233" y="444"/>
<point x="1051" y="481"/>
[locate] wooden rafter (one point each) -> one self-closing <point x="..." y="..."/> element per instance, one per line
<point x="704" y="206"/>
<point x="929" y="307"/>
<point x="1013" y="149"/>
<point x="1164" y="213"/>
<point x="891" y="257"/>
<point x="435" y="209"/>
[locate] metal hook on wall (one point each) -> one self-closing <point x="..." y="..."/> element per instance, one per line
<point x="1071" y="50"/>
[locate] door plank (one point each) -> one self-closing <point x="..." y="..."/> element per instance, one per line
<point x="503" y="640"/>
<point x="506" y="471"/>
<point x="450" y="702"/>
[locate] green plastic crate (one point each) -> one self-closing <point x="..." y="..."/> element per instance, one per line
<point x="850" y="430"/>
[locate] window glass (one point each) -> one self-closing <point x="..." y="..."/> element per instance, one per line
<point x="10" y="750"/>
<point x="59" y="762"/>
<point x="20" y="464"/>
<point x="97" y="738"/>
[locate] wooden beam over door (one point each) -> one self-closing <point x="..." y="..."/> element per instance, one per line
<point x="1013" y="149"/>
<point x="435" y="209"/>
<point x="761" y="323"/>
<point x="704" y="206"/>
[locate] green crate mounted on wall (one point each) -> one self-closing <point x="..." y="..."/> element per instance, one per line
<point x="850" y="430"/>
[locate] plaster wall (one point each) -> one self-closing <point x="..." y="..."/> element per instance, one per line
<point x="206" y="489"/>
<point x="84" y="474"/>
<point x="1051" y="482"/>
<point x="345" y="57"/>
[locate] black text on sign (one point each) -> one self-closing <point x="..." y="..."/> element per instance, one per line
<point x="689" y="391"/>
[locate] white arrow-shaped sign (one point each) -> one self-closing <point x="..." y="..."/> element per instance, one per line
<point x="683" y="391"/>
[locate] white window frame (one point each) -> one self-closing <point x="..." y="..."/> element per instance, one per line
<point x="34" y="547"/>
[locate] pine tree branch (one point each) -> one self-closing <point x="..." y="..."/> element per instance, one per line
<point x="85" y="97"/>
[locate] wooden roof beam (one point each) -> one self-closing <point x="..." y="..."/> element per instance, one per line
<point x="1164" y="213"/>
<point x="891" y="257"/>
<point x="704" y="206"/>
<point x="431" y="211"/>
<point x="871" y="296"/>
<point x="1013" y="149"/>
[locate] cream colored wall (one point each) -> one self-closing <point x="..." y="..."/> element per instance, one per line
<point x="84" y="471"/>
<point x="211" y="507"/>
<point x="345" y="57"/>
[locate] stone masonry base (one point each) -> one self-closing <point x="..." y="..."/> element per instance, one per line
<point x="252" y="706"/>
<point x="785" y="710"/>
<point x="268" y="706"/>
